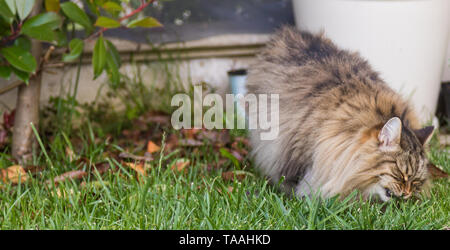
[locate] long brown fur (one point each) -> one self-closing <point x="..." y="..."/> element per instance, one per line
<point x="332" y="108"/>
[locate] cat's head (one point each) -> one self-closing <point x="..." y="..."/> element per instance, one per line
<point x="399" y="163"/>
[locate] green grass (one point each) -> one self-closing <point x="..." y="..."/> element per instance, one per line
<point x="197" y="199"/>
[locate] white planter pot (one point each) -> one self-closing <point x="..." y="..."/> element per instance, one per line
<point x="404" y="40"/>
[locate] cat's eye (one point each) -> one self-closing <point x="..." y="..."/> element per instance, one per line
<point x="417" y="183"/>
<point x="388" y="192"/>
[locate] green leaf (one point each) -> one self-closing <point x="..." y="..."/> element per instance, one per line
<point x="49" y="19"/>
<point x="19" y="58"/>
<point x="93" y="7"/>
<point x="61" y="38"/>
<point x="24" y="8"/>
<point x="99" y="57"/>
<point x="5" y="11"/>
<point x="41" y="33"/>
<point x="106" y="22"/>
<point x="24" y="76"/>
<point x="12" y="6"/>
<point x="113" y="69"/>
<point x="42" y="26"/>
<point x="114" y="53"/>
<point x="76" y="48"/>
<point x="52" y="5"/>
<point x="113" y="63"/>
<point x="112" y="7"/>
<point x="224" y="152"/>
<point x="99" y="2"/>
<point x="146" y="22"/>
<point x="5" y="72"/>
<point x="74" y="13"/>
<point x="23" y="43"/>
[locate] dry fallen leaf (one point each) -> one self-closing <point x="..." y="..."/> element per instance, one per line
<point x="214" y="166"/>
<point x="230" y="176"/>
<point x="75" y="174"/>
<point x="71" y="154"/>
<point x="189" y="143"/>
<point x="190" y="133"/>
<point x="237" y="155"/>
<point x="223" y="138"/>
<point x="171" y="142"/>
<point x="229" y="190"/>
<point x="218" y="138"/>
<point x="131" y="134"/>
<point x="152" y="147"/>
<point x="126" y="155"/>
<point x="180" y="165"/>
<point x="240" y="150"/>
<point x="101" y="168"/>
<point x="138" y="167"/>
<point x="13" y="174"/>
<point x="157" y="117"/>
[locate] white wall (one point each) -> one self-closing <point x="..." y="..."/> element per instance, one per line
<point x="211" y="70"/>
<point x="206" y="60"/>
<point x="446" y="73"/>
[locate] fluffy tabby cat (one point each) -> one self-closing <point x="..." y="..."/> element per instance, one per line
<point x="341" y="127"/>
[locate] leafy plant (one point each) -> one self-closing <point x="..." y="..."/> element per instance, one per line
<point x="24" y="25"/>
<point x="17" y="28"/>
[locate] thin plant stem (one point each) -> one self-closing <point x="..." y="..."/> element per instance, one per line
<point x="42" y="145"/>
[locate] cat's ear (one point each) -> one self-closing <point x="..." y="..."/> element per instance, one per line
<point x="389" y="136"/>
<point x="424" y="134"/>
<point x="436" y="172"/>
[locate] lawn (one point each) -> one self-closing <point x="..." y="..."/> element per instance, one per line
<point x="189" y="180"/>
